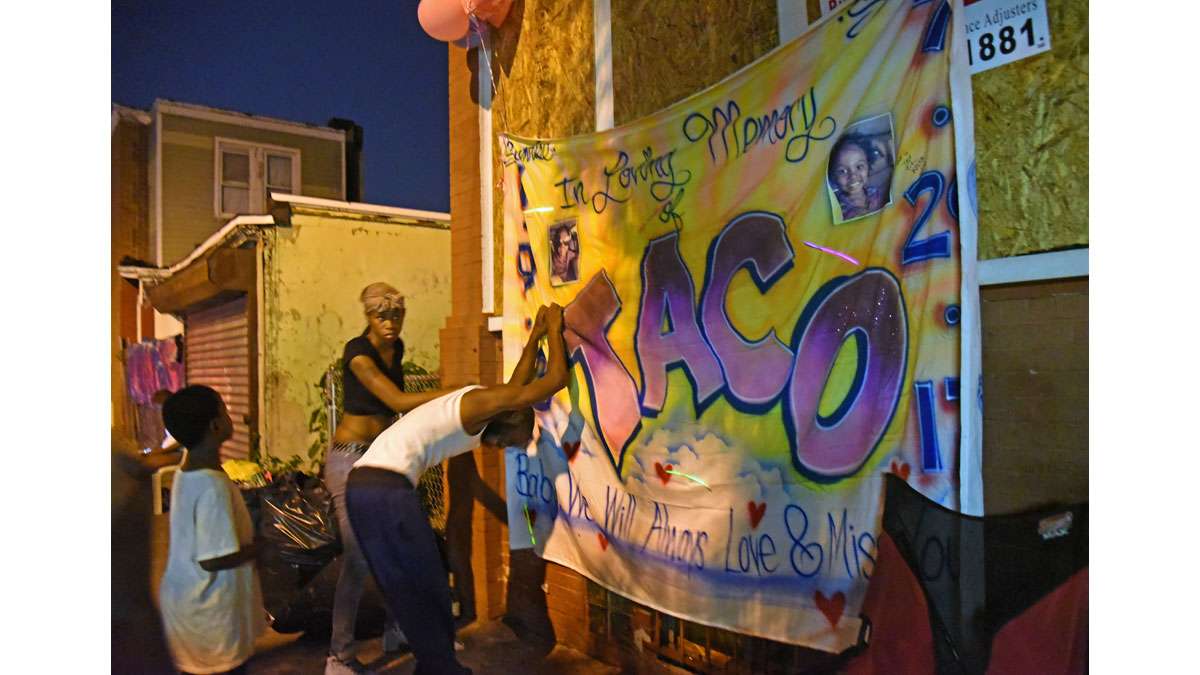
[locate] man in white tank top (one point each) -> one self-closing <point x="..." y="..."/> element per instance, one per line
<point x="386" y="516"/>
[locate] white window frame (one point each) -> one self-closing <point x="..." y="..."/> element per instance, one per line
<point x="259" y="192"/>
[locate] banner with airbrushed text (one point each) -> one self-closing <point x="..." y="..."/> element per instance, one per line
<point x="763" y="315"/>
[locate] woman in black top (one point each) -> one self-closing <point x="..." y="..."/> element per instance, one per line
<point x="373" y="389"/>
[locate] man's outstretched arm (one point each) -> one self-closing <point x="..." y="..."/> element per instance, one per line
<point x="525" y="370"/>
<point x="480" y="405"/>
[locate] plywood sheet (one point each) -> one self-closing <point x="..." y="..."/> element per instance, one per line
<point x="1031" y="138"/>
<point x="667" y="51"/>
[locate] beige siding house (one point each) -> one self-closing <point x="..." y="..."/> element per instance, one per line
<point x="208" y="166"/>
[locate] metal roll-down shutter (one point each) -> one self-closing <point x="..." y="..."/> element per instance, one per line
<point x="217" y="354"/>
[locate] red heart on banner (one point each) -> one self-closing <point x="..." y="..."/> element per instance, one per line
<point x="756" y="512"/>
<point x="662" y="472"/>
<point x="603" y="541"/>
<point x="902" y="469"/>
<point x="570" y="449"/>
<point x="831" y="607"/>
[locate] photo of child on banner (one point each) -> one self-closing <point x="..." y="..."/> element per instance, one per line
<point x="860" y="169"/>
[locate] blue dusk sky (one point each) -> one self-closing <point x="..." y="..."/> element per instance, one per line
<point x="365" y="60"/>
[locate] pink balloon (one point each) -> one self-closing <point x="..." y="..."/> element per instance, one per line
<point x="444" y="20"/>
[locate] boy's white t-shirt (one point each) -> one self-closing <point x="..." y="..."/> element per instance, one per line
<point x="211" y="619"/>
<point x="425" y="436"/>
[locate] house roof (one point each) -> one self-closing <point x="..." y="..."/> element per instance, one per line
<point x="204" y="112"/>
<point x="243" y="228"/>
<point x="392" y="213"/>
<point x="121" y="112"/>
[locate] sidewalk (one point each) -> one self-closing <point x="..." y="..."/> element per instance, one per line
<point x="490" y="648"/>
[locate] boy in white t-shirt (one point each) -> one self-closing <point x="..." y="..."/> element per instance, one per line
<point x="392" y="531"/>
<point x="210" y="597"/>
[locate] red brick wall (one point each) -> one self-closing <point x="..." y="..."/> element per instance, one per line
<point x="469" y="353"/>
<point x="130" y="235"/>
<point x="1035" y="394"/>
<point x="472" y="354"/>
<point x="566" y="604"/>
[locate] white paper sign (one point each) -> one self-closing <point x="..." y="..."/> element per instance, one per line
<point x="829" y="6"/>
<point x="1003" y="31"/>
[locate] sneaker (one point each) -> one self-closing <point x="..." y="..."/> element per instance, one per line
<point x="336" y="666"/>
<point x="394" y="639"/>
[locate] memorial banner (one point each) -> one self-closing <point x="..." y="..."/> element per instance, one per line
<point x="762" y="293"/>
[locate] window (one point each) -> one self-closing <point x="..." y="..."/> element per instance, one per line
<point x="247" y="175"/>
<point x="235" y="181"/>
<point x="279" y="173"/>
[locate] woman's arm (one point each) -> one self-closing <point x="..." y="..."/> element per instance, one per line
<point x="385" y="390"/>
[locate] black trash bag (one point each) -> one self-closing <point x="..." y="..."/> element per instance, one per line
<point x="310" y="608"/>
<point x="297" y="521"/>
<point x="297" y="537"/>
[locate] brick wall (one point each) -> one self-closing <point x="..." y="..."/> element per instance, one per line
<point x="130" y="235"/>
<point x="501" y="581"/>
<point x="470" y="353"/>
<point x="1035" y="394"/>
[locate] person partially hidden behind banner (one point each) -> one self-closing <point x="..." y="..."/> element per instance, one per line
<point x="386" y="515"/>
<point x="849" y="173"/>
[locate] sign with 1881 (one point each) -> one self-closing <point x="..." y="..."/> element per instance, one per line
<point x="1003" y="31"/>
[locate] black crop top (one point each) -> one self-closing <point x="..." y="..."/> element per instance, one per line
<point x="358" y="400"/>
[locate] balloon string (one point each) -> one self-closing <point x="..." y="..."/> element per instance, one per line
<point x="488" y="54"/>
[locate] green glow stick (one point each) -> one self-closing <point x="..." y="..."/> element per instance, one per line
<point x="529" y="524"/>
<point x="689" y="477"/>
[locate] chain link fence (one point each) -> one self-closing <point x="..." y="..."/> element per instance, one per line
<point x="432" y="489"/>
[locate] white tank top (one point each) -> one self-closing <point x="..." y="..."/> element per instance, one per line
<point x="425" y="436"/>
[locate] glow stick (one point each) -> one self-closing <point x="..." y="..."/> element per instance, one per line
<point x="689" y="477"/>
<point x="831" y="251"/>
<point x="529" y="524"/>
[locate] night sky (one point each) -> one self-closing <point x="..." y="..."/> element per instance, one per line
<point x="306" y="61"/>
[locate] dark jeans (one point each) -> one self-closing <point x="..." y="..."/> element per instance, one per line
<point x="353" y="578"/>
<point x="401" y="551"/>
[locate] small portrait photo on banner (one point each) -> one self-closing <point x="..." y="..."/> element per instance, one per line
<point x="860" y="169"/>
<point x="564" y="253"/>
